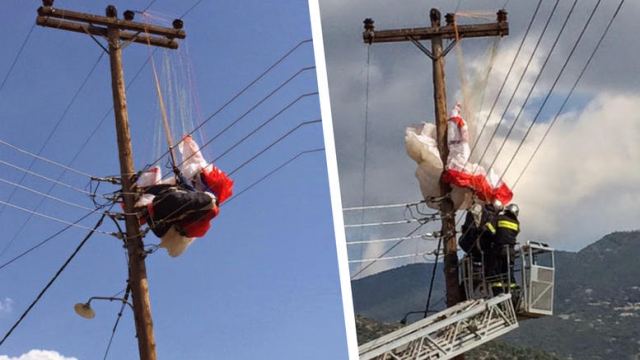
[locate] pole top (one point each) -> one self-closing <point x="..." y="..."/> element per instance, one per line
<point x="435" y="16"/>
<point x="368" y="30"/>
<point x="450" y="18"/>
<point x="178" y="24"/>
<point x="502" y="15"/>
<point x="111" y="11"/>
<point x="129" y="15"/>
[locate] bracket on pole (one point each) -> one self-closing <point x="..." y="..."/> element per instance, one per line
<point x="422" y="48"/>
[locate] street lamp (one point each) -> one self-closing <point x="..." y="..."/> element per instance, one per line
<point x="84" y="309"/>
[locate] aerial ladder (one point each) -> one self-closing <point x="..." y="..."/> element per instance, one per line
<point x="485" y="315"/>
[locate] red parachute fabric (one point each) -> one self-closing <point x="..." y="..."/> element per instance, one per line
<point x="200" y="227"/>
<point x="485" y="184"/>
<point x="480" y="185"/>
<point x="218" y="182"/>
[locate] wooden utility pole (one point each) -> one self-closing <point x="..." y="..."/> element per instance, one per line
<point x="436" y="33"/>
<point x="119" y="33"/>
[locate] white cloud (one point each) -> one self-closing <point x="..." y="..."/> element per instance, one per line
<point x="583" y="182"/>
<point x="6" y="305"/>
<point x="38" y="355"/>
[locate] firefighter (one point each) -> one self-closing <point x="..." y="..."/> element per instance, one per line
<point x="471" y="230"/>
<point x="507" y="230"/>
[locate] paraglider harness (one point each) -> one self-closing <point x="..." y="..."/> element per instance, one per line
<point x="178" y="205"/>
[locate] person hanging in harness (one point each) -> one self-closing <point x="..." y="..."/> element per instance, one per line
<point x="180" y="206"/>
<point x="181" y="209"/>
<point x="507" y="230"/>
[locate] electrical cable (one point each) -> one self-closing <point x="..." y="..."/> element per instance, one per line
<point x="288" y="133"/>
<point x="384" y="223"/>
<point x="234" y="122"/>
<point x="15" y="59"/>
<point x="82" y="173"/>
<point x="365" y="141"/>
<point x="276" y="169"/>
<point x="242" y="91"/>
<point x="385" y="252"/>
<point x="433" y="276"/>
<point x="504" y="140"/>
<point x="233" y="146"/>
<point x="118" y="317"/>
<point x="52" y="218"/>
<point x="376" y="241"/>
<point x="522" y="75"/>
<point x="371" y="260"/>
<point x="73" y="159"/>
<point x="504" y="81"/>
<point x="62" y="201"/>
<point x="46" y="240"/>
<point x="566" y="99"/>
<point x="385" y="206"/>
<point x="53" y="279"/>
<point x="58" y="122"/>
<point x="44" y="177"/>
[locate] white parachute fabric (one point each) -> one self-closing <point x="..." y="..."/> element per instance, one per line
<point x="421" y="146"/>
<point x="175" y="243"/>
<point x="469" y="181"/>
<point x="149" y="177"/>
<point x="193" y="162"/>
<point x="457" y="140"/>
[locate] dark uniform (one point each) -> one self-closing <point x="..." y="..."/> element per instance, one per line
<point x="507" y="230"/>
<point x="476" y="239"/>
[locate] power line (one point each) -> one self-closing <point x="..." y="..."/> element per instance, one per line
<point x="15" y="59"/>
<point x="265" y="123"/>
<point x="504" y="141"/>
<point x="433" y="277"/>
<point x="62" y="201"/>
<point x="548" y="95"/>
<point x="385" y="206"/>
<point x="44" y="177"/>
<point x="384" y="223"/>
<point x="504" y="81"/>
<point x="53" y="218"/>
<point x="276" y="169"/>
<point x="234" y="122"/>
<point x="365" y="141"/>
<point x="118" y="317"/>
<point x="53" y="279"/>
<point x="372" y="260"/>
<point x="566" y="99"/>
<point x="522" y="75"/>
<point x="386" y="252"/>
<point x="46" y="240"/>
<point x="39" y="157"/>
<point x="376" y="241"/>
<point x="288" y="133"/>
<point x="242" y="91"/>
<point x="58" y="122"/>
<point x="190" y="9"/>
<point x="73" y="159"/>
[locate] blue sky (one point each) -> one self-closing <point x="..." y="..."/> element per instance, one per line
<point x="264" y="281"/>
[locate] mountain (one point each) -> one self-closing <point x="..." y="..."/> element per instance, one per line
<point x="597" y="301"/>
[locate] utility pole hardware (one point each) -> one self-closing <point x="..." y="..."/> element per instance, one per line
<point x="119" y="33"/>
<point x="436" y="33"/>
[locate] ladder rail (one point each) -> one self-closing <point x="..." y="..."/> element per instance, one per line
<point x="444" y="335"/>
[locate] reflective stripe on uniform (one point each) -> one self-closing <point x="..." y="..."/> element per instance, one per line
<point x="508" y="224"/>
<point x="490" y="227"/>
